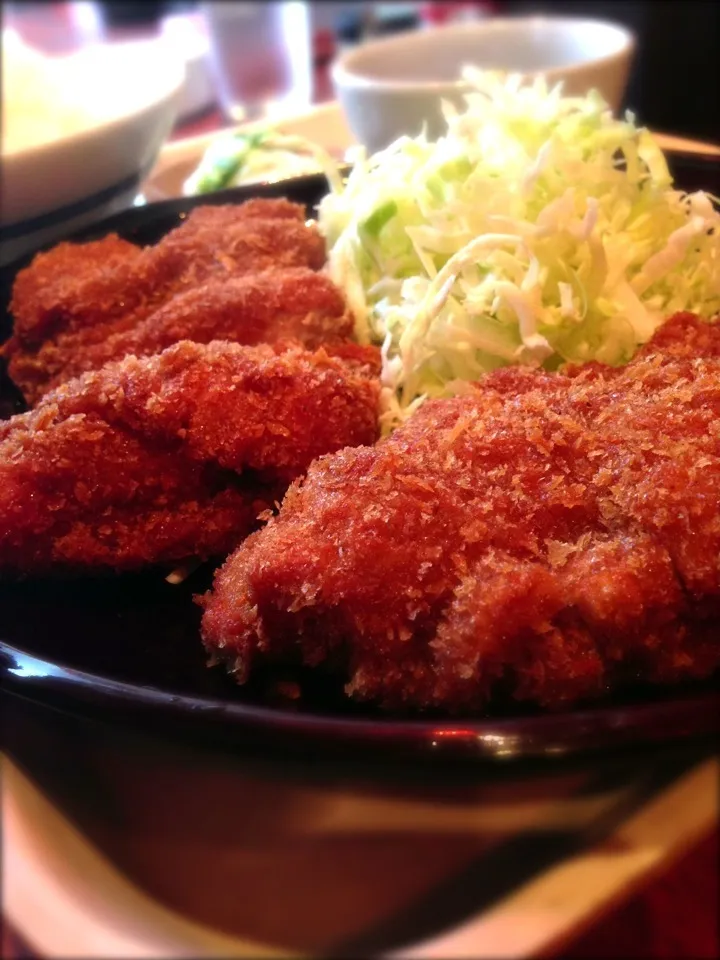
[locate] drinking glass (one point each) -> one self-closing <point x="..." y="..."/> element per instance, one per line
<point x="261" y="57"/>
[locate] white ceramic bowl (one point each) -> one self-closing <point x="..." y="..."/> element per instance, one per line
<point x="53" y="188"/>
<point x="393" y="86"/>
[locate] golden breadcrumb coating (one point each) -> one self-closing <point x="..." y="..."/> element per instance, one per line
<point x="72" y="298"/>
<point x="160" y="458"/>
<point x="294" y="304"/>
<point x="546" y="538"/>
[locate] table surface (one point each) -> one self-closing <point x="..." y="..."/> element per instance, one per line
<point x="674" y="913"/>
<point x="673" y="916"/>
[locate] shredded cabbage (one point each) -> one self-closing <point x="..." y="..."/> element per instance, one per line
<point x="539" y="229"/>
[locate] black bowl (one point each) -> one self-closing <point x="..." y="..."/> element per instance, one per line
<point x="128" y="646"/>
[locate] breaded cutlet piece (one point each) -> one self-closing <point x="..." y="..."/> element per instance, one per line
<point x="257" y="208"/>
<point x="157" y="459"/>
<point x="45" y="291"/>
<point x="546" y="538"/>
<point x="293" y="304"/>
<point x="76" y="295"/>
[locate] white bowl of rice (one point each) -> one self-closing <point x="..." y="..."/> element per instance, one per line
<point x="79" y="133"/>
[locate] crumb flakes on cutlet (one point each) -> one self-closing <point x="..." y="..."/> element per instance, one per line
<point x="278" y="429"/>
<point x="45" y="416"/>
<point x="408" y="480"/>
<point x="460" y="427"/>
<point x="558" y="552"/>
<point x="475" y="531"/>
<point x="538" y="516"/>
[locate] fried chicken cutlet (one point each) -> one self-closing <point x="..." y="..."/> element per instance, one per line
<point x="157" y="459"/>
<point x="293" y="304"/>
<point x="544" y="538"/>
<point x="75" y="296"/>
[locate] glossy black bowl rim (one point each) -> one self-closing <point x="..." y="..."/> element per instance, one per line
<point x="601" y="727"/>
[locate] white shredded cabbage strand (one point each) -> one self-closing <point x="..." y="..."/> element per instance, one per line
<point x="539" y="229"/>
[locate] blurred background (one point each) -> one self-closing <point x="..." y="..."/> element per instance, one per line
<point x="263" y="55"/>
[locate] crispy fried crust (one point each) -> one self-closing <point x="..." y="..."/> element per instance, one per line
<point x="544" y="539"/>
<point x="156" y="459"/>
<point x="72" y="298"/>
<point x="297" y="304"/>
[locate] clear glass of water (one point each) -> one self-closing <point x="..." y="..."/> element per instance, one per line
<point x="261" y="57"/>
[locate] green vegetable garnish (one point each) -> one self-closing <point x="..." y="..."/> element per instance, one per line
<point x="261" y="154"/>
<point x="377" y="220"/>
<point x="224" y="160"/>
